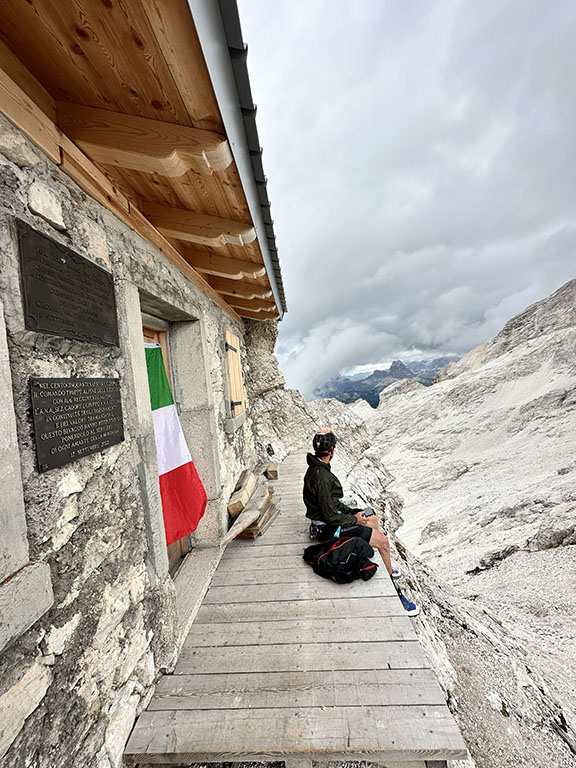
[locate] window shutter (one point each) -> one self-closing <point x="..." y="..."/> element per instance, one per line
<point x="237" y="402"/>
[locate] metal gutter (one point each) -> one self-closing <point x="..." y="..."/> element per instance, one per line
<point x="218" y="27"/>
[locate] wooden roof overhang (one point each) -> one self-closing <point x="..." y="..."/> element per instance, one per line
<point x="119" y="95"/>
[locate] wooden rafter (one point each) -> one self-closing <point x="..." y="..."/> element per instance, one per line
<point x="221" y="266"/>
<point x="151" y="146"/>
<point x="258" y="315"/>
<point x="198" y="227"/>
<point x="254" y="305"/>
<point x="241" y="289"/>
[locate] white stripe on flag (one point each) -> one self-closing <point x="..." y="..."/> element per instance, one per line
<point x="170" y="443"/>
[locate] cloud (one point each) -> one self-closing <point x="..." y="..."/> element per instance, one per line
<point x="420" y="162"/>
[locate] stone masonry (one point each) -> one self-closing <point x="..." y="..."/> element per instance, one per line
<point x="74" y="676"/>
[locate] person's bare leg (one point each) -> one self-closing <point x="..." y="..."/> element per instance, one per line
<point x="380" y="542"/>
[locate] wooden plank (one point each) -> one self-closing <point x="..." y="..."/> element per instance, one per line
<point x="302" y="591"/>
<point x="262" y="524"/>
<point x="249" y="550"/>
<point x="105" y="54"/>
<point x="230" y="563"/>
<point x="221" y="266"/>
<point x="262" y="734"/>
<point x="246" y="518"/>
<point x="253" y="304"/>
<point x="25" y="80"/>
<point x="140" y="223"/>
<point x="279" y="690"/>
<point x="244" y="289"/>
<point x="300" y="632"/>
<point x="271" y="471"/>
<point x="258" y="314"/>
<point x="289" y="537"/>
<point x="240" y="498"/>
<point x="198" y="227"/>
<point x="295" y="575"/>
<point x="175" y="32"/>
<point x="191" y="582"/>
<point x="353" y="608"/>
<point x="235" y="380"/>
<point x="245" y="472"/>
<point x="19" y="108"/>
<point x="405" y="654"/>
<point x="143" y="144"/>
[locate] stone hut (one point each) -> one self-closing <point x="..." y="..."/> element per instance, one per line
<point x="133" y="210"/>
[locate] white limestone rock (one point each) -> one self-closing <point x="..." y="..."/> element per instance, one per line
<point x="20" y="701"/>
<point x="16" y="149"/>
<point x="58" y="638"/>
<point x="95" y="242"/>
<point x="44" y="202"/>
<point x="483" y="460"/>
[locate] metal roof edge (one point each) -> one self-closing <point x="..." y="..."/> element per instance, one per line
<point x="220" y="36"/>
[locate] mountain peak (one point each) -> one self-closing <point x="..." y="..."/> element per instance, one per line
<point x="400" y="371"/>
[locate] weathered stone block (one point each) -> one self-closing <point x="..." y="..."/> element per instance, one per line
<point x="95" y="242"/>
<point x="20" y="701"/>
<point x="43" y="201"/>
<point x="15" y="148"/>
<point x="23" y="599"/>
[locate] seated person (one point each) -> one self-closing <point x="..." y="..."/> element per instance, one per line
<point x="322" y="497"/>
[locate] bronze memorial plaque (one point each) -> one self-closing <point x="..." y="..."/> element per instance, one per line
<point x="74" y="417"/>
<point x="64" y="293"/>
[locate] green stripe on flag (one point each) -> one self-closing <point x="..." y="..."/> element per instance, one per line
<point x="160" y="394"/>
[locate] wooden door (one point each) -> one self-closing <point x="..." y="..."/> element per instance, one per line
<point x="178" y="549"/>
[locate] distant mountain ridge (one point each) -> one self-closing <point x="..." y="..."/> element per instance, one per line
<point x="347" y="390"/>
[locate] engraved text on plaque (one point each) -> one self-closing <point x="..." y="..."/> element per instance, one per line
<point x="74" y="417"/>
<point x="64" y="293"/>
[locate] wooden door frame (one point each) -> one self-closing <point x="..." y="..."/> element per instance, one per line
<point x="178" y="550"/>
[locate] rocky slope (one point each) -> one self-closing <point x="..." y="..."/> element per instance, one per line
<point x="485" y="463"/>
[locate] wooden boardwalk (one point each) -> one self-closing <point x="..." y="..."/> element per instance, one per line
<point x="281" y="664"/>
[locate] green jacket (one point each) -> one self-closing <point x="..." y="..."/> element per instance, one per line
<point x="322" y="494"/>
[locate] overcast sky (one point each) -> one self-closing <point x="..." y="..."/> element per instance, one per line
<point x="421" y="163"/>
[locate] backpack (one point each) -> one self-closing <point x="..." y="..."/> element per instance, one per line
<point x="342" y="560"/>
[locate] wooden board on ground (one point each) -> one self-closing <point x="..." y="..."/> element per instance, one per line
<point x="267" y="516"/>
<point x="262" y="734"/>
<point x="351" y="607"/>
<point x="295" y="575"/>
<point x="271" y="471"/>
<point x="247" y="550"/>
<point x="302" y="631"/>
<point x="241" y="497"/>
<point x="254" y="593"/>
<point x="405" y="654"/>
<point x="355" y="688"/>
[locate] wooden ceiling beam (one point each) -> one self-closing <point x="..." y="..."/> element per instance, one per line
<point x="239" y="289"/>
<point x="198" y="228"/>
<point x="141" y="144"/>
<point x="254" y="305"/>
<point x="257" y="315"/>
<point x="221" y="266"/>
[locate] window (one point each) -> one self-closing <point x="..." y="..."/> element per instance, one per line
<point x="235" y="384"/>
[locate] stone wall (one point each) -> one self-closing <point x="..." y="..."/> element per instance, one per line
<point x="72" y="683"/>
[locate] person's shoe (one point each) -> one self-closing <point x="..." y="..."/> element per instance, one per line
<point x="411" y="608"/>
<point x="396" y="575"/>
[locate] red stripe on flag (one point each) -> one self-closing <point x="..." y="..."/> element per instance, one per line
<point x="183" y="501"/>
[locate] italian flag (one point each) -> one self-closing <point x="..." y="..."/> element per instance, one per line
<point x="183" y="495"/>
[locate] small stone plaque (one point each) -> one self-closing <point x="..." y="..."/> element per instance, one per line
<point x="74" y="417"/>
<point x="64" y="293"/>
